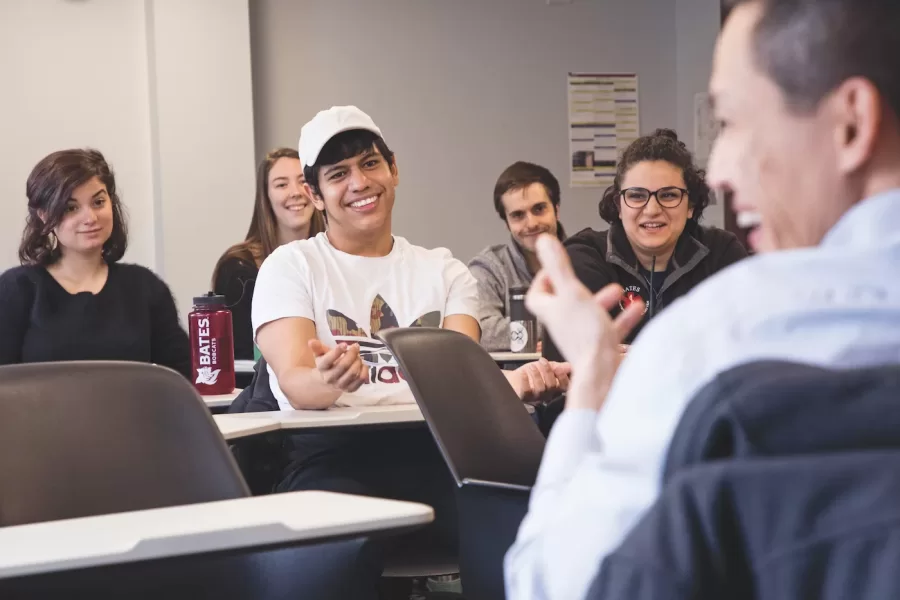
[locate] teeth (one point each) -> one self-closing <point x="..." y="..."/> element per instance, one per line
<point x="363" y="202"/>
<point x="652" y="225"/>
<point x="746" y="220"/>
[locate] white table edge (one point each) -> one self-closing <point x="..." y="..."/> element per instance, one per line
<point x="251" y="424"/>
<point x="246" y="366"/>
<point x="515" y="356"/>
<point x="350" y="416"/>
<point x="234" y="535"/>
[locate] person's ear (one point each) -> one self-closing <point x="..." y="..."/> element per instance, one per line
<point x="317" y="200"/>
<point x="394" y="172"/>
<point x="857" y="111"/>
<point x="42" y="215"/>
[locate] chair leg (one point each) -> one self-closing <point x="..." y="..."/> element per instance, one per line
<point x="489" y="521"/>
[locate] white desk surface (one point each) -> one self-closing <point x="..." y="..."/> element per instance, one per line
<point x="194" y="529"/>
<point x="513" y="357"/>
<point x="246" y="366"/>
<point x="221" y="400"/>
<point x="242" y="425"/>
<point x="349" y="416"/>
<point x="246" y="424"/>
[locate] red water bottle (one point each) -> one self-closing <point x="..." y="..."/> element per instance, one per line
<point x="212" y="345"/>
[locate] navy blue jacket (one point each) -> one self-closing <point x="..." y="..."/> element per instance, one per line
<point x="782" y="481"/>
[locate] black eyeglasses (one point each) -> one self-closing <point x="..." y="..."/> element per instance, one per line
<point x="668" y="197"/>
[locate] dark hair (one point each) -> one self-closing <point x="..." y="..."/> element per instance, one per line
<point x="520" y="175"/>
<point x="809" y="47"/>
<point x="262" y="236"/>
<point x="344" y="145"/>
<point x="50" y="187"/>
<point x="662" y="144"/>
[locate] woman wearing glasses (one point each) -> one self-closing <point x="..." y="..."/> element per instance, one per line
<point x="655" y="247"/>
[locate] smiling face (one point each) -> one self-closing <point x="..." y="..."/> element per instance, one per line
<point x="357" y="194"/>
<point x="529" y="213"/>
<point x="291" y="205"/>
<point x="87" y="220"/>
<point x="653" y="230"/>
<point x="792" y="171"/>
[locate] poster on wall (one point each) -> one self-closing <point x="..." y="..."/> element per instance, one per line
<point x="603" y="119"/>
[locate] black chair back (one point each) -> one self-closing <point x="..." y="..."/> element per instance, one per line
<point x="488" y="440"/>
<point x="480" y="425"/>
<point x="88" y="438"/>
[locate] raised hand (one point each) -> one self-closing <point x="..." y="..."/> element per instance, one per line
<point x="579" y="322"/>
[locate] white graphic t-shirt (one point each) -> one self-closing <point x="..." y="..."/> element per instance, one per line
<point x="351" y="298"/>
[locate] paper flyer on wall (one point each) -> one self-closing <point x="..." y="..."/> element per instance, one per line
<point x="604" y="118"/>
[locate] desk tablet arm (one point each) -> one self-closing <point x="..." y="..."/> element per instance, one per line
<point x="514" y="487"/>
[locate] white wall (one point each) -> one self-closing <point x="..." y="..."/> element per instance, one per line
<point x="74" y="74"/>
<point x="204" y="102"/>
<point x="697" y="24"/>
<point x="163" y="89"/>
<point x="463" y="88"/>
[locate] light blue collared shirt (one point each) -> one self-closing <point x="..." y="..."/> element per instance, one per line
<point x="837" y="304"/>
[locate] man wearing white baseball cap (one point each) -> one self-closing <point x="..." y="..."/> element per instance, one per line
<point x="319" y="303"/>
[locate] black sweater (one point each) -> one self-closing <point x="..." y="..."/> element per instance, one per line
<point x="603" y="257"/>
<point x="235" y="280"/>
<point x="132" y="318"/>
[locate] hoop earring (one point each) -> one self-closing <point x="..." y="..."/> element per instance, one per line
<point x="54" y="241"/>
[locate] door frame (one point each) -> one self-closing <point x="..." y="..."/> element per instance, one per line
<point x="730" y="215"/>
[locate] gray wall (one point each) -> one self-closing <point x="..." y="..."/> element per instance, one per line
<point x="462" y="88"/>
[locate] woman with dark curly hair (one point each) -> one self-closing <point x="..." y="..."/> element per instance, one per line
<point x="655" y="247"/>
<point x="71" y="299"/>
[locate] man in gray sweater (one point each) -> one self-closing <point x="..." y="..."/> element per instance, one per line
<point x="526" y="197"/>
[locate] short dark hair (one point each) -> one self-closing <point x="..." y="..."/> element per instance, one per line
<point x="49" y="188"/>
<point x="520" y="175"/>
<point x="344" y="145"/>
<point x="662" y="144"/>
<point x="809" y="47"/>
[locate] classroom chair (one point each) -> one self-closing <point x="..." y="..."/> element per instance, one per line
<point x="488" y="440"/>
<point x="87" y="438"/>
<point x="263" y="459"/>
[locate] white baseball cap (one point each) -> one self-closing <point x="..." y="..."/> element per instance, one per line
<point x="327" y="124"/>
